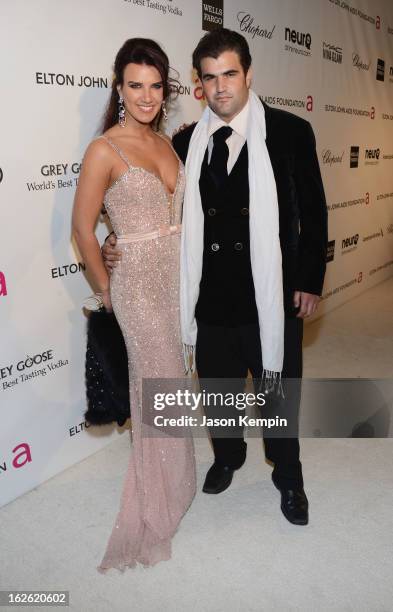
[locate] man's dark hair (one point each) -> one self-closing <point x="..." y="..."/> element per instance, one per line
<point x="216" y="42"/>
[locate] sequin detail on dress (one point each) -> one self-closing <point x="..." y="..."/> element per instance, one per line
<point x="160" y="480"/>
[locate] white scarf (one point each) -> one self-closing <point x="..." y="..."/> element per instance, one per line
<point x="264" y="242"/>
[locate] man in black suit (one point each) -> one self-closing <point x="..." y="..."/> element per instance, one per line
<point x="228" y="340"/>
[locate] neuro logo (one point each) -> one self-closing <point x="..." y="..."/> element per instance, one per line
<point x="372" y="156"/>
<point x="298" y="38"/>
<point x="372" y="153"/>
<point x="351" y="241"/>
<point x="354" y="159"/>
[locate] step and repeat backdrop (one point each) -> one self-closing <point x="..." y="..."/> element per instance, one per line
<point x="329" y="61"/>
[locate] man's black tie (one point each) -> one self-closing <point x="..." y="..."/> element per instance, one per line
<point x="220" y="154"/>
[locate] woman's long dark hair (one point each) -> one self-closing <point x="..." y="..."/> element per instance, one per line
<point x="138" y="51"/>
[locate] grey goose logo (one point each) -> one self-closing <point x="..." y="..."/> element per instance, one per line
<point x="212" y="15"/>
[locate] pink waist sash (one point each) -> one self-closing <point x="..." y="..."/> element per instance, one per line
<point x="163" y="230"/>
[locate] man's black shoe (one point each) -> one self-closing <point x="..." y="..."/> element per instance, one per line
<point x="218" y="478"/>
<point x="294" y="505"/>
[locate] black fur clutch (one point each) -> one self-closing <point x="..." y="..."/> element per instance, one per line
<point x="106" y="371"/>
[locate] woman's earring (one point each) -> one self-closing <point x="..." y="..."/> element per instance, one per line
<point x="164" y="111"/>
<point x="122" y="113"/>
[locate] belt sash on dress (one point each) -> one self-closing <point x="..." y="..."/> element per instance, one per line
<point x="163" y="230"/>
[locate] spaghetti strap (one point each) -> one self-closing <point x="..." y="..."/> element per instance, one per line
<point x="118" y="150"/>
<point x="169" y="142"/>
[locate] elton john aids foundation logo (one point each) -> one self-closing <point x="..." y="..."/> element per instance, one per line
<point x="21" y="456"/>
<point x="3" y="285"/>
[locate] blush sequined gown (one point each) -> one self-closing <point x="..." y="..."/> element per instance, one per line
<point x="160" y="480"/>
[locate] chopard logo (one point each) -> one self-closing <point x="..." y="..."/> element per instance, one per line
<point x="358" y="63"/>
<point x="329" y="158"/>
<point x="246" y="24"/>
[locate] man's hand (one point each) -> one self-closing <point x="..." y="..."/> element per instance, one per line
<point x="110" y="254"/>
<point x="308" y="303"/>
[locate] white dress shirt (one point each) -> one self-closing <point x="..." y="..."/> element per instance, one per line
<point x="236" y="140"/>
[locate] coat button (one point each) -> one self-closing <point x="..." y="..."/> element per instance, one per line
<point x="211" y="212"/>
<point x="238" y="246"/>
<point x="215" y="246"/>
<point x="244" y="211"/>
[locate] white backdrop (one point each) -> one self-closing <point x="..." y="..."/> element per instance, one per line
<point x="317" y="58"/>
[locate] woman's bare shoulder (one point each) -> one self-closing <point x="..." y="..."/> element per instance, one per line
<point x="98" y="150"/>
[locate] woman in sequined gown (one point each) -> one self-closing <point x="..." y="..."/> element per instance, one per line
<point x="136" y="173"/>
